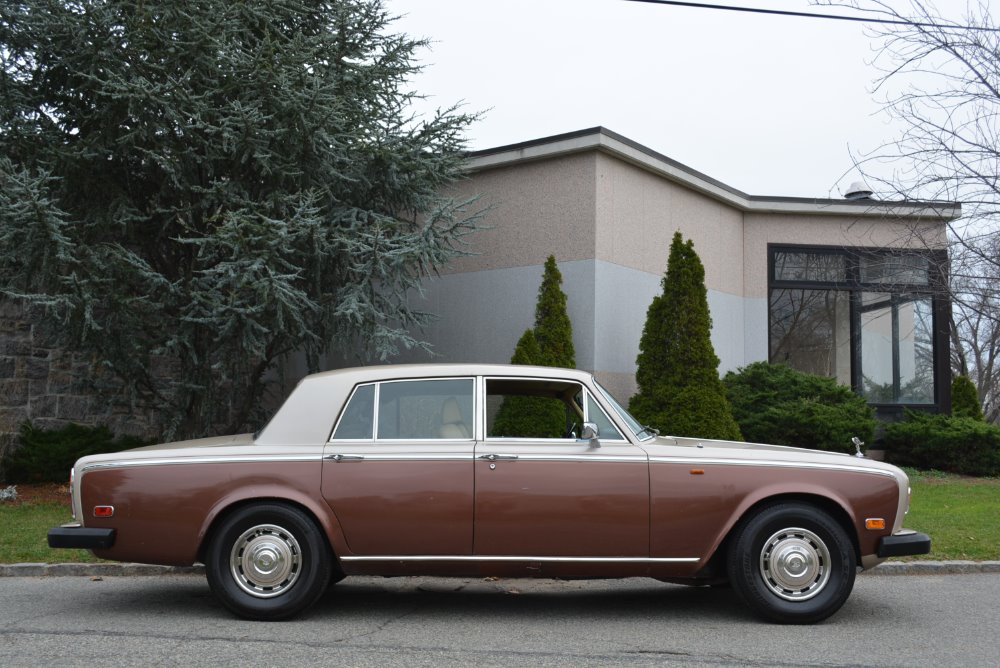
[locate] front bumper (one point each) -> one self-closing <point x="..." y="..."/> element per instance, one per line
<point x="903" y="544"/>
<point x="78" y="537"/>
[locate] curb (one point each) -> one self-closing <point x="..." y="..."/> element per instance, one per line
<point x="95" y="570"/>
<point x="935" y="568"/>
<point x="132" y="570"/>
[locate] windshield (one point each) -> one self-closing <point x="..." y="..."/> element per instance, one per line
<point x="641" y="432"/>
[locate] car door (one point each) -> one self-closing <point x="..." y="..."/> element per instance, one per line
<point x="398" y="469"/>
<point x="542" y="492"/>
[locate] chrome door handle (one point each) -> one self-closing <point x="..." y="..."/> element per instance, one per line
<point x="342" y="458"/>
<point x="494" y="457"/>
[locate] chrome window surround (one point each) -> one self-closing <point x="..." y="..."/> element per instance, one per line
<point x="378" y="385"/>
<point x="622" y="414"/>
<point x="343" y="411"/>
<point x="479" y="408"/>
<point x="514" y="439"/>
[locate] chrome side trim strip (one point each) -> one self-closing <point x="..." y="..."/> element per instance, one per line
<point x="769" y="462"/>
<point x="542" y="442"/>
<point x="470" y="456"/>
<point x="575" y="560"/>
<point x="436" y="457"/>
<point x="219" y="459"/>
<point x="248" y="459"/>
<point x="640" y="459"/>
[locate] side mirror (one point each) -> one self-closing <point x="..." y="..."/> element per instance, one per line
<point x="590" y="432"/>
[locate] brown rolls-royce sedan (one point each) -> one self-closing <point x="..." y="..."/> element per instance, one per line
<point x="488" y="470"/>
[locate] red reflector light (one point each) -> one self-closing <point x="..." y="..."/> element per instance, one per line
<point x="104" y="511"/>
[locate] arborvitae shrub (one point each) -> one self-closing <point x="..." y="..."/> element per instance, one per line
<point x="529" y="417"/>
<point x="550" y="343"/>
<point x="965" y="399"/>
<point x="774" y="403"/>
<point x="46" y="455"/>
<point x="677" y="369"/>
<point x="553" y="329"/>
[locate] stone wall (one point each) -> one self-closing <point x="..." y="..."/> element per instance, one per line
<point x="51" y="387"/>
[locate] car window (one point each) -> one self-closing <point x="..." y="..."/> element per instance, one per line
<point x="631" y="422"/>
<point x="597" y="415"/>
<point x="425" y="409"/>
<point x="358" y="419"/>
<point x="526" y="408"/>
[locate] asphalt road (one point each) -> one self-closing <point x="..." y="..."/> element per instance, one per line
<point x="57" y="622"/>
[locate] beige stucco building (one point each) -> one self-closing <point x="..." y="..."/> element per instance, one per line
<point x="843" y="287"/>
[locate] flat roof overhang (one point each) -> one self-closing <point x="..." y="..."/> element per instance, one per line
<point x="605" y="141"/>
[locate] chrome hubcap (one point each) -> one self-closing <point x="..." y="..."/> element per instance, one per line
<point x="795" y="564"/>
<point x="265" y="560"/>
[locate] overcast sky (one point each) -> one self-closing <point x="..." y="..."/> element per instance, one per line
<point x="767" y="104"/>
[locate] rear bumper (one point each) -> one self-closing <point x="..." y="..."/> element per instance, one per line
<point x="78" y="537"/>
<point x="903" y="544"/>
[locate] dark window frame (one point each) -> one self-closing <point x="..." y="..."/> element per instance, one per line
<point x="935" y="288"/>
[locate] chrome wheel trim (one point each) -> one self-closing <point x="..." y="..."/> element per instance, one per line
<point x="265" y="560"/>
<point x="795" y="564"/>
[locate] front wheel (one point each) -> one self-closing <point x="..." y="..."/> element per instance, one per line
<point x="792" y="563"/>
<point x="267" y="561"/>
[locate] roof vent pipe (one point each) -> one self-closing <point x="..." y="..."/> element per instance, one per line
<point x="858" y="190"/>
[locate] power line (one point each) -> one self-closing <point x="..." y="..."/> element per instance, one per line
<point x="814" y="15"/>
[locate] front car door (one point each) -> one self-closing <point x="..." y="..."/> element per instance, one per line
<point x="543" y="493"/>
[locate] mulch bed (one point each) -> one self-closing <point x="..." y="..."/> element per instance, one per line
<point x="52" y="492"/>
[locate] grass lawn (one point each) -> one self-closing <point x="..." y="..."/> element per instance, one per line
<point x="25" y="526"/>
<point x="960" y="514"/>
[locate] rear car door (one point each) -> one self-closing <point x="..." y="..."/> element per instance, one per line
<point x="398" y="469"/>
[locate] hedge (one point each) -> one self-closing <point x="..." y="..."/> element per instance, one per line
<point x="46" y="455"/>
<point x="774" y="403"/>
<point x="955" y="444"/>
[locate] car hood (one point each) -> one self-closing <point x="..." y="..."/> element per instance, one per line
<point x="733" y="446"/>
<point x="670" y="446"/>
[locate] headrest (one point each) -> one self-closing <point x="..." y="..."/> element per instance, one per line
<point x="451" y="412"/>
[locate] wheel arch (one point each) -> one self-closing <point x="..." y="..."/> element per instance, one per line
<point x="833" y="508"/>
<point x="323" y="520"/>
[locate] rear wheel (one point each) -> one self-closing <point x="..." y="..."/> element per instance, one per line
<point x="268" y="561"/>
<point x="792" y="563"/>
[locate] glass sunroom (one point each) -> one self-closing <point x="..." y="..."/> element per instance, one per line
<point x="874" y="319"/>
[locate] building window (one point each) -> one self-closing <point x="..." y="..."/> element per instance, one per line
<point x="872" y="319"/>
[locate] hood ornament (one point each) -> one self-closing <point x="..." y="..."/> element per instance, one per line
<point x="857" y="444"/>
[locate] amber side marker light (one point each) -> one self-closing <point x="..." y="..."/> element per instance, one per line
<point x="875" y="523"/>
<point x="697" y="471"/>
<point x="104" y="511"/>
<point x="72" y="506"/>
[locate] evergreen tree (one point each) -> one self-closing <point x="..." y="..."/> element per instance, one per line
<point x="550" y="343"/>
<point x="552" y="325"/>
<point x="965" y="399"/>
<point x="527" y="351"/>
<point x="206" y="187"/>
<point x="680" y="392"/>
<point x="529" y="417"/>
